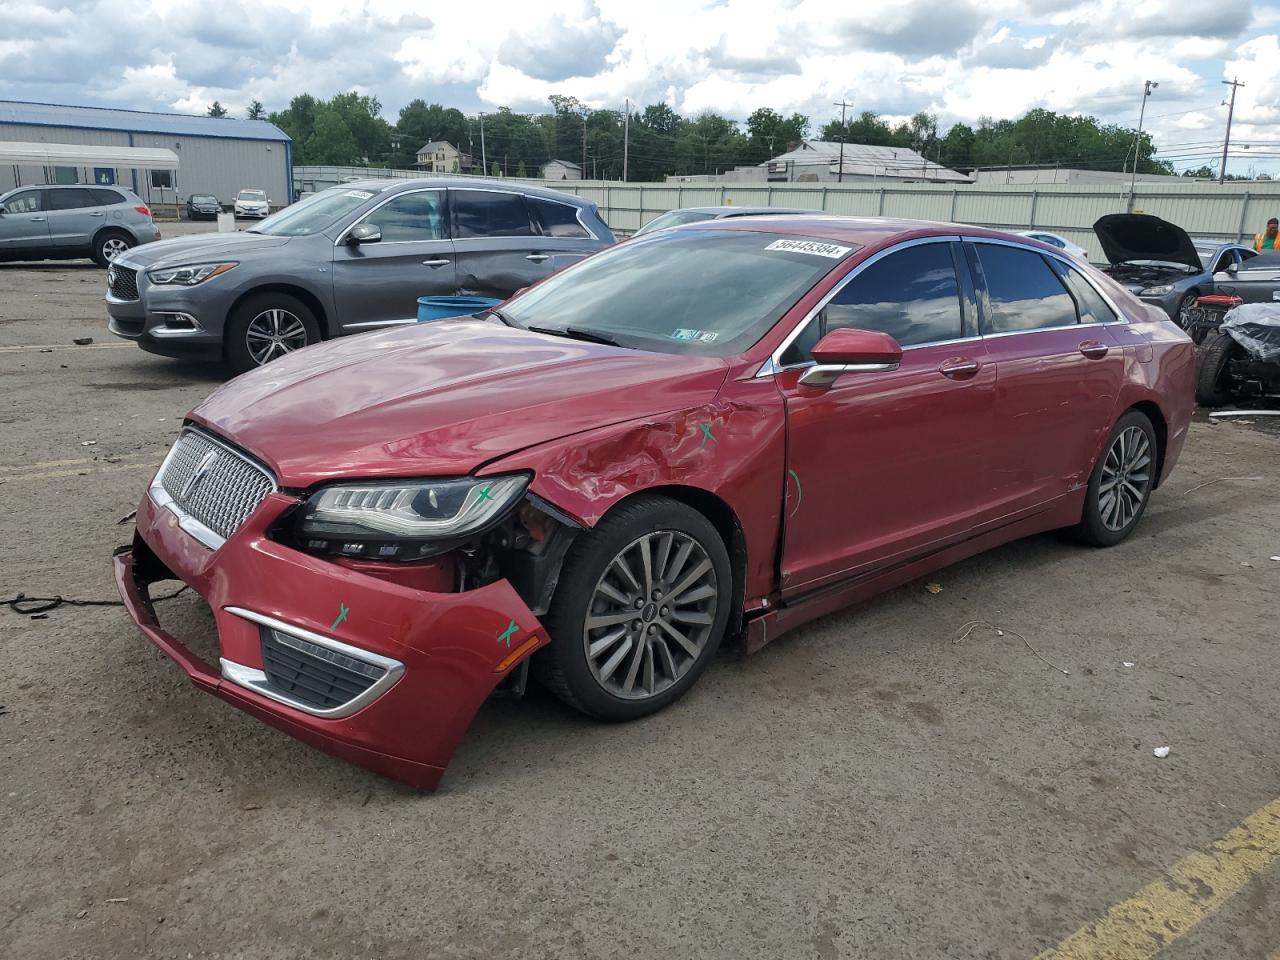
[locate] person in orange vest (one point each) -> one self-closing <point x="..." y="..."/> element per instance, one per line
<point x="1269" y="240"/>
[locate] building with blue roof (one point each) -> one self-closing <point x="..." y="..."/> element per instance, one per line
<point x="215" y="155"/>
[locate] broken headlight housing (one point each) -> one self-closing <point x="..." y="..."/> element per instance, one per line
<point x="405" y="519"/>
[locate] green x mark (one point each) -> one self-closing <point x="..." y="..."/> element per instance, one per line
<point x="706" y="434"/>
<point x="342" y="615"/>
<point x="508" y="633"/>
<point x="484" y="495"/>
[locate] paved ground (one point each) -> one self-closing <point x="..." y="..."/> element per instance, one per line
<point x="867" y="787"/>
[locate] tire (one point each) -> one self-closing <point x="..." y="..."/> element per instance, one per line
<point x="110" y="244"/>
<point x="243" y="340"/>
<point x="1212" y="385"/>
<point x="642" y="671"/>
<point x="1113" y="507"/>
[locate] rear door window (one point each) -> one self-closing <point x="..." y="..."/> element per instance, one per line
<point x="70" y="199"/>
<point x="106" y="198"/>
<point x="484" y="213"/>
<point x="1089" y="303"/>
<point x="557" y="219"/>
<point x="1023" y="293"/>
<point x="912" y="295"/>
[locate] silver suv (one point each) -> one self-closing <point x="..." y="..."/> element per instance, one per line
<point x="347" y="259"/>
<point x="69" y="222"/>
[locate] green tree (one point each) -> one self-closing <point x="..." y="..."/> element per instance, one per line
<point x="217" y="110"/>
<point x="256" y="111"/>
<point x="770" y="133"/>
<point x="493" y="169"/>
<point x="421" y="122"/>
<point x="521" y="171"/>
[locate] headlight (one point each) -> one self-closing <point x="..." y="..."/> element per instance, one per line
<point x="1159" y="291"/>
<point x="189" y="274"/>
<point x="404" y="520"/>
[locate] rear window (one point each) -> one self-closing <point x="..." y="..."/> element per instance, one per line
<point x="1023" y="293"/>
<point x="557" y="219"/>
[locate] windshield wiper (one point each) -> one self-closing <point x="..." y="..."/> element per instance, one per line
<point x="577" y="333"/>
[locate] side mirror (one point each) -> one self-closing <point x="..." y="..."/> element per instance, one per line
<point x="364" y="233"/>
<point x="1233" y="268"/>
<point x="850" y="350"/>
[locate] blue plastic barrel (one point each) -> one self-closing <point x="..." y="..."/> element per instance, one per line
<point x="438" y="308"/>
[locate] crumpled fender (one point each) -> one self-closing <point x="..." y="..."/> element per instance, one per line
<point x="733" y="448"/>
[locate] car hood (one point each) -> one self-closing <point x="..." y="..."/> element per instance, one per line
<point x="1136" y="236"/>
<point x="441" y="399"/>
<point x="200" y="246"/>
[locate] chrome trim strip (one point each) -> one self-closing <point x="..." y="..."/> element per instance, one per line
<point x="1018" y="333"/>
<point x="164" y="330"/>
<point x="160" y="496"/>
<point x="256" y="680"/>
<point x="775" y="361"/>
<point x="379" y="323"/>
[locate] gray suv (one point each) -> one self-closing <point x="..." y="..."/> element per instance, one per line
<point x="347" y="259"/>
<point x="69" y="222"/>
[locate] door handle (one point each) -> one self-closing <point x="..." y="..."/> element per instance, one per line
<point x="959" y="368"/>
<point x="435" y="263"/>
<point x="38" y="219"/>
<point x="537" y="257"/>
<point x="1094" y="349"/>
<point x="98" y="214"/>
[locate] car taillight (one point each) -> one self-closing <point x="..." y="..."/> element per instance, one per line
<point x="145" y="211"/>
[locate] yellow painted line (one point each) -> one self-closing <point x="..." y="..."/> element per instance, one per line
<point x="103" y="458"/>
<point x="82" y="471"/>
<point x="66" y="346"/>
<point x="1193" y="889"/>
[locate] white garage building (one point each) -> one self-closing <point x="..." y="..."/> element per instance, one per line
<point x="49" y="143"/>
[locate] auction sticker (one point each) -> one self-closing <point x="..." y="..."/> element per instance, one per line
<point x="358" y="194"/>
<point x="834" y="251"/>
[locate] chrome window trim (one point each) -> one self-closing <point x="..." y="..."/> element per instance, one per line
<point x="1066" y="259"/>
<point x="774" y="364"/>
<point x="256" y="679"/>
<point x="160" y="496"/>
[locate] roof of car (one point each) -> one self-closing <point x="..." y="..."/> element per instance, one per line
<point x="467" y="183"/>
<point x="864" y="231"/>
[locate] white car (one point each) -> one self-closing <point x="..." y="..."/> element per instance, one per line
<point x="252" y="203"/>
<point x="1080" y="253"/>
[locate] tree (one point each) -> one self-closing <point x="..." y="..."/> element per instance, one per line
<point x="421" y="122"/>
<point x="521" y="170"/>
<point x="217" y="110"/>
<point x="493" y="169"/>
<point x="771" y="134"/>
<point x="256" y="111"/>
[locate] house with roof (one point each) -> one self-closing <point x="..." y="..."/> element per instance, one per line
<point x="441" y="156"/>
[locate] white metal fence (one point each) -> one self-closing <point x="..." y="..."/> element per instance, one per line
<point x="1230" y="211"/>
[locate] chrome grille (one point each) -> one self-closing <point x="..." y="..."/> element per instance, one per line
<point x="122" y="282"/>
<point x="212" y="484"/>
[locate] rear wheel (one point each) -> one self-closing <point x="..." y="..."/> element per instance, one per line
<point x="110" y="244"/>
<point x="641" y="607"/>
<point x="267" y="326"/>
<point x="1213" y="384"/>
<point x="1121" y="483"/>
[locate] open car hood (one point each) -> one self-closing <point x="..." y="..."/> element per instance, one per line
<point x="1136" y="236"/>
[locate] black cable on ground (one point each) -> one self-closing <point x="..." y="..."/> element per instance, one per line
<point x="32" y="606"/>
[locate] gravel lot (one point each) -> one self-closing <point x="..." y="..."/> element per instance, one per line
<point x="866" y="787"/>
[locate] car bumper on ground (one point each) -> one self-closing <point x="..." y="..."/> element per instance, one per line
<point x="447" y="651"/>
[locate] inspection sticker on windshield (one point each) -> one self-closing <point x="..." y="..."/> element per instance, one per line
<point x="358" y="194"/>
<point x="702" y="336"/>
<point x="813" y="247"/>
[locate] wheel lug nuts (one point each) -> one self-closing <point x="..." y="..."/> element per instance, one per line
<point x="653" y="628"/>
<point x="639" y="602"/>
<point x="657" y="594"/>
<point x="635" y="625"/>
<point x="666" y="611"/>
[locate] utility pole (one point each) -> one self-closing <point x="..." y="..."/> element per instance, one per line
<point x="484" y="160"/>
<point x="626" y="139"/>
<point x="1233" y="83"/>
<point x="1147" y="87"/>
<point x="584" y="144"/>
<point x="842" y="105"/>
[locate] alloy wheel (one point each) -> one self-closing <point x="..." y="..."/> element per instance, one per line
<point x="650" y="615"/>
<point x="273" y="333"/>
<point x="112" y="247"/>
<point x="1126" y="478"/>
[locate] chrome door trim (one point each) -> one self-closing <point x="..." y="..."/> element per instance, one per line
<point x="825" y="374"/>
<point x="378" y="323"/>
<point x="774" y="363"/>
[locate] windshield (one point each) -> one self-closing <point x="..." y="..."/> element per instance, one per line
<point x="204" y="199"/>
<point x="674" y="219"/>
<point x="252" y="195"/>
<point x="709" y="292"/>
<point x="312" y="214"/>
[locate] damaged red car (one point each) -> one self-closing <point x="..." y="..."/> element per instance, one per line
<point x="716" y="432"/>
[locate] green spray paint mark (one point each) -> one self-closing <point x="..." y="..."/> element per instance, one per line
<point x="342" y="615"/>
<point x="706" y="434"/>
<point x="508" y="633"/>
<point x="799" y="491"/>
<point x="484" y="495"/>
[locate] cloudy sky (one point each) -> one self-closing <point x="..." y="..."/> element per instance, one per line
<point x="959" y="58"/>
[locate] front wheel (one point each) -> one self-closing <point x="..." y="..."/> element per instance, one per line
<point x="267" y="326"/>
<point x="1186" y="312"/>
<point x="641" y="607"/>
<point x="1121" y="483"/>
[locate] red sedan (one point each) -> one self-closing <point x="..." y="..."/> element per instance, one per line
<point x="722" y="430"/>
